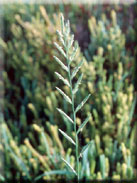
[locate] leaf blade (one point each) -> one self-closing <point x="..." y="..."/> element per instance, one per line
<point x="65" y="115"/>
<point x="77" y="84"/>
<point x="71" y="40"/>
<point x="83" y="124"/>
<point x="63" y="79"/>
<point x="60" y="49"/>
<point x="67" y="137"/>
<point x="64" y="95"/>
<point x="60" y="37"/>
<point x="73" y="53"/>
<point x="85" y="147"/>
<point x="60" y="63"/>
<point x="52" y="172"/>
<point x="76" y="69"/>
<point x="62" y="23"/>
<point x="102" y="165"/>
<point x="72" y="169"/>
<point x="82" y="103"/>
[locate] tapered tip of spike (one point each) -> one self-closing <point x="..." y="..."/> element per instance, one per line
<point x="61" y="15"/>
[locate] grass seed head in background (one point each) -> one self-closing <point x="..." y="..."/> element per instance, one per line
<point x="68" y="51"/>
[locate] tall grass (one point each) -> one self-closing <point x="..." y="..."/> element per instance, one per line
<point x="69" y="50"/>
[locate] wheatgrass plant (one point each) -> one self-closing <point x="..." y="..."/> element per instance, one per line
<point x="69" y="50"/>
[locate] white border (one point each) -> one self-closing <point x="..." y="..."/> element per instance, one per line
<point x="69" y="1"/>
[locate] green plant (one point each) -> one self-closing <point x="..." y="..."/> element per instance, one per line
<point x="29" y="85"/>
<point x="68" y="50"/>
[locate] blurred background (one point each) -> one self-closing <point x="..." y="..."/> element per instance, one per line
<point x="31" y="145"/>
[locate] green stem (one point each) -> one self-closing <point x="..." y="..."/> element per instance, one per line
<point x="75" y="125"/>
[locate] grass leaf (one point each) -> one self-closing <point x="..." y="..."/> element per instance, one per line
<point x="64" y="80"/>
<point x="77" y="84"/>
<point x="132" y="110"/>
<point x="76" y="69"/>
<point x="119" y="85"/>
<point x="2" y="178"/>
<point x="69" y="166"/>
<point x="65" y="115"/>
<point x="61" y="63"/>
<point x="64" y="95"/>
<point x="67" y="32"/>
<point x="18" y="160"/>
<point x="53" y="172"/>
<point x="102" y="165"/>
<point x="73" y="53"/>
<point x="83" y="124"/>
<point x="60" y="49"/>
<point x="82" y="103"/>
<point x="131" y="114"/>
<point x="84" y="148"/>
<point x="62" y="23"/>
<point x="71" y="41"/>
<point x="60" y="37"/>
<point x="47" y="149"/>
<point x="67" y="137"/>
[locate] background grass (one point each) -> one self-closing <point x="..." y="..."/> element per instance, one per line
<point x="107" y="40"/>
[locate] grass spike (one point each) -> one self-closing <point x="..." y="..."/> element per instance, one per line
<point x="67" y="41"/>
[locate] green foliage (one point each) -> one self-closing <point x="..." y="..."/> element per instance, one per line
<point x="31" y="142"/>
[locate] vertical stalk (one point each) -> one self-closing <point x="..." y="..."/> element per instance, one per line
<point x="67" y="41"/>
<point x="75" y="125"/>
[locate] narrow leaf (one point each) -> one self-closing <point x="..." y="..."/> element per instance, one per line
<point x="67" y="28"/>
<point x="64" y="95"/>
<point x="18" y="160"/>
<point x="62" y="23"/>
<point x="119" y="85"/>
<point x="102" y="165"/>
<point x="61" y="63"/>
<point x="47" y="149"/>
<point x="84" y="148"/>
<point x="82" y="103"/>
<point x="20" y="163"/>
<point x="60" y="49"/>
<point x="60" y="37"/>
<point x="131" y="114"/>
<point x="53" y="172"/>
<point x="64" y="80"/>
<point x="74" y="53"/>
<point x="65" y="115"/>
<point x="71" y="41"/>
<point x="77" y="84"/>
<point x="2" y="178"/>
<point x="69" y="166"/>
<point x="76" y="69"/>
<point x="67" y="137"/>
<point x="83" y="124"/>
<point x="132" y="110"/>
